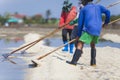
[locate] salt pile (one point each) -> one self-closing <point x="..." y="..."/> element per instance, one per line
<point x="112" y="37"/>
<point x="54" y="66"/>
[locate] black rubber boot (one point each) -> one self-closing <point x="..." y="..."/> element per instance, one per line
<point x="76" y="57"/>
<point x="93" y="57"/>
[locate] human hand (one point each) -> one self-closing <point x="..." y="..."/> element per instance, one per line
<point x="71" y="23"/>
<point x="59" y="27"/>
<point x="77" y="38"/>
<point x="63" y="25"/>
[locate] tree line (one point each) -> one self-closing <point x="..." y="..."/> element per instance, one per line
<point x="39" y="19"/>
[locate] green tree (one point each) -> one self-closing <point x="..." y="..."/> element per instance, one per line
<point x="4" y="18"/>
<point x="37" y="18"/>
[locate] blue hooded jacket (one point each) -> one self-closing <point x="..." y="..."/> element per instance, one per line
<point x="90" y="19"/>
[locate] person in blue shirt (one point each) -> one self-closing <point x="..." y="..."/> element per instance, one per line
<point x="89" y="29"/>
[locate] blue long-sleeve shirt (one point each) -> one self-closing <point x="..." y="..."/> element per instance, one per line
<point x="90" y="19"/>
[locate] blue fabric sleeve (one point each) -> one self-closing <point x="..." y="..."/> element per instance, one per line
<point x="80" y="22"/>
<point x="107" y="14"/>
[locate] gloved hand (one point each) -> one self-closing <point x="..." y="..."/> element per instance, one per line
<point x="71" y="23"/>
<point x="74" y="22"/>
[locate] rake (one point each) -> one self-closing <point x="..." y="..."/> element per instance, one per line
<point x="51" y="33"/>
<point x="29" y="45"/>
<point x="35" y="64"/>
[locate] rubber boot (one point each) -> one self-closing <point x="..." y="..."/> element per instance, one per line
<point x="76" y="57"/>
<point x="93" y="57"/>
<point x="71" y="48"/>
<point x="65" y="47"/>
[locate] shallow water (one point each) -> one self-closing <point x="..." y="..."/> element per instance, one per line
<point x="55" y="42"/>
<point x="9" y="71"/>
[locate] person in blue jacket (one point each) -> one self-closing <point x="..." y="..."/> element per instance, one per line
<point x="89" y="29"/>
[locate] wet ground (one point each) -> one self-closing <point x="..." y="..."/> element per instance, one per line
<point x="55" y="42"/>
<point x="9" y="71"/>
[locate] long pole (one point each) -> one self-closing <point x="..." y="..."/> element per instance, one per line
<point x="114" y="21"/>
<point x="38" y="41"/>
<point x="35" y="42"/>
<point x="41" y="57"/>
<point x="51" y="33"/>
<point x="97" y="1"/>
<point x="113" y="4"/>
<point x="55" y="50"/>
<point x="69" y="43"/>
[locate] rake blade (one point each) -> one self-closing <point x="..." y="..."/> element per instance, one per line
<point x="34" y="64"/>
<point x="23" y="52"/>
<point x="1" y="59"/>
<point x="7" y="59"/>
<point x="12" y="61"/>
<point x="6" y="55"/>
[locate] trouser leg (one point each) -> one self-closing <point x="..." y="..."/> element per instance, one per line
<point x="65" y="40"/>
<point x="93" y="57"/>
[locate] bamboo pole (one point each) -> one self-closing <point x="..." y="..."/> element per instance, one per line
<point x="46" y="54"/>
<point x="51" y="33"/>
<point x="69" y="43"/>
<point x="55" y="50"/>
<point x="97" y="1"/>
<point x="113" y="4"/>
<point x="114" y="21"/>
<point x="35" y="42"/>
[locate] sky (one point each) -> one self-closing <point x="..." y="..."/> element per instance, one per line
<point x="32" y="7"/>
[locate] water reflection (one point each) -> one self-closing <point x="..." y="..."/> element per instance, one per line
<point x="7" y="43"/>
<point x="47" y="42"/>
<point x="55" y="42"/>
<point x="9" y="71"/>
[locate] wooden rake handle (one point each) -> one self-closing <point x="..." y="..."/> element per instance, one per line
<point x="67" y="43"/>
<point x="114" y="21"/>
<point x="113" y="4"/>
<point x="31" y="45"/>
<point x="36" y="41"/>
<point x="73" y="39"/>
<point x="97" y="1"/>
<point x="55" y="50"/>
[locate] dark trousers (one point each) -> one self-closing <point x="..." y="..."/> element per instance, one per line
<point x="66" y="32"/>
<point x="74" y="34"/>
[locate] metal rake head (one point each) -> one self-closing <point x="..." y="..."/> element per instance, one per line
<point x="6" y="58"/>
<point x="23" y="52"/>
<point x="33" y="65"/>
